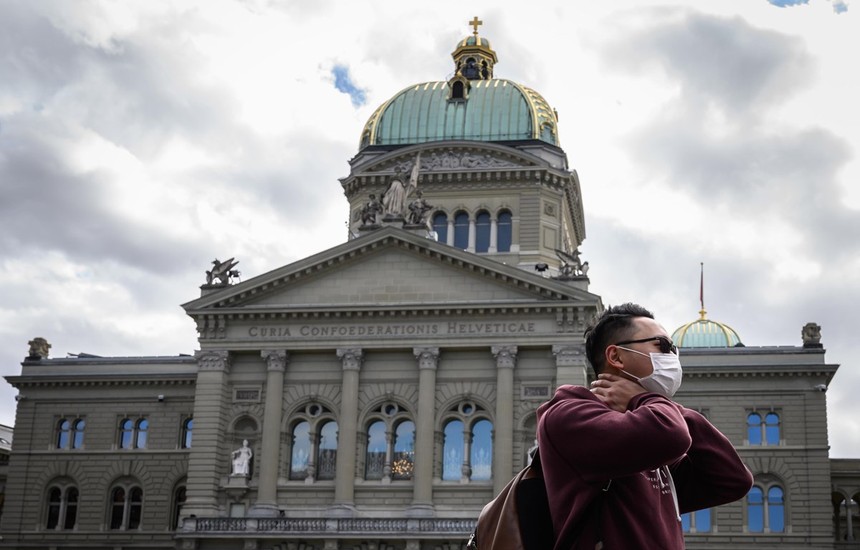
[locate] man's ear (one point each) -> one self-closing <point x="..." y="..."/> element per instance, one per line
<point x="612" y="358"/>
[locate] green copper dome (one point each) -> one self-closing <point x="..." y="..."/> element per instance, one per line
<point x="472" y="105"/>
<point x="494" y="110"/>
<point x="704" y="333"/>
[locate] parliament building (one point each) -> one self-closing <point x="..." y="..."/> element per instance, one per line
<point x="376" y="395"/>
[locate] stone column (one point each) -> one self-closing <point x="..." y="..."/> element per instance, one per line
<point x="472" y="233"/>
<point x="449" y="238"/>
<point x="346" y="431"/>
<point x="422" y="497"/>
<point x="494" y="235"/>
<point x="570" y="364"/>
<point x="503" y="430"/>
<point x="205" y="464"/>
<point x="269" y="461"/>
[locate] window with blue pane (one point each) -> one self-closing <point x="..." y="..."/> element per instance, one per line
<point x="374" y="462"/>
<point x="64" y="426"/>
<point x="482" y="451"/>
<point x="461" y="230"/>
<point x="755" y="510"/>
<point x="771" y="428"/>
<point x="775" y="510"/>
<point x="301" y="452"/>
<point x="504" y="231"/>
<point x="754" y="429"/>
<point x="327" y="454"/>
<point x="482" y="232"/>
<point x="452" y="451"/>
<point x="403" y="460"/>
<point x="78" y="427"/>
<point x="187" y="427"/>
<point x="440" y="226"/>
<point x="697" y="522"/>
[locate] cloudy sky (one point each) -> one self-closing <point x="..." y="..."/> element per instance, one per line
<point x="140" y="140"/>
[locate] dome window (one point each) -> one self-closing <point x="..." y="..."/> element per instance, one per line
<point x="458" y="88"/>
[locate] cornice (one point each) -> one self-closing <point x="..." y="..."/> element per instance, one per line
<point x="103" y="380"/>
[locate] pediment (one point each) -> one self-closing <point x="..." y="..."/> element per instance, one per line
<point x="390" y="268"/>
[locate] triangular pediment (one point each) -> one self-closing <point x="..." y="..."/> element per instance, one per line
<point x="390" y="268"/>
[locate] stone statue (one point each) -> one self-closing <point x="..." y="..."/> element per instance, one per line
<point x="38" y="348"/>
<point x="371" y="210"/>
<point x="242" y="460"/>
<point x="571" y="265"/>
<point x="811" y="334"/>
<point x="222" y="271"/>
<point x="418" y="210"/>
<point x="395" y="197"/>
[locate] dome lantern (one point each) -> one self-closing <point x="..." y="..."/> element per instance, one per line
<point x="474" y="58"/>
<point x="704" y="333"/>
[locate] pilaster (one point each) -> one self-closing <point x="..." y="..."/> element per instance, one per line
<point x="422" y="497"/>
<point x="570" y="364"/>
<point x="351" y="359"/>
<point x="267" y="495"/>
<point x="503" y="430"/>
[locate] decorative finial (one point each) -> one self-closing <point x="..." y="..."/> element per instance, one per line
<point x="475" y="22"/>
<point x="702" y="311"/>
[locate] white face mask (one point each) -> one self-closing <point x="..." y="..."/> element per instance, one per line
<point x="666" y="378"/>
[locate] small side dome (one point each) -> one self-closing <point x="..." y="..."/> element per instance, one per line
<point x="704" y="333"/>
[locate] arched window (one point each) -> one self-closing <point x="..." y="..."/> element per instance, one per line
<point x="187" y="427"/>
<point x="504" y="229"/>
<point x="763" y="430"/>
<point x="697" y="522"/>
<point x="327" y="457"/>
<point x="452" y="453"/>
<point x="126" y="507"/>
<point x="467" y="449"/>
<point x="482" y="232"/>
<point x="390" y="443"/>
<point x="482" y="450"/>
<point x="132" y="433"/>
<point x="376" y="447"/>
<point x="301" y="451"/>
<point x="457" y="90"/>
<point x="440" y="226"/>
<point x="178" y="501"/>
<point x="313" y="450"/>
<point x="78" y="427"/>
<point x="771" y="428"/>
<point x="461" y="230"/>
<point x="62" y="510"/>
<point x="754" y="429"/>
<point x="64" y="426"/>
<point x="403" y="460"/>
<point x="766" y="510"/>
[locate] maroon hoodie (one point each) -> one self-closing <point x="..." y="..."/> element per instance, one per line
<point x="585" y="446"/>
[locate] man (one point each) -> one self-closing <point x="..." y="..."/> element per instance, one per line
<point x="621" y="460"/>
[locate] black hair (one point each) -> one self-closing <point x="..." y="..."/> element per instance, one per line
<point x="612" y="325"/>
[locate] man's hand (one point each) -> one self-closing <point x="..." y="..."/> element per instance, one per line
<point x="615" y="391"/>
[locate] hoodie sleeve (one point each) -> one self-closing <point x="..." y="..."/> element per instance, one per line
<point x="711" y="473"/>
<point x="600" y="443"/>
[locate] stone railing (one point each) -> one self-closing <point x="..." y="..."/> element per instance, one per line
<point x="332" y="526"/>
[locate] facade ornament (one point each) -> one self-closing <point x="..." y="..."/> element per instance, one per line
<point x="213" y="360"/>
<point x="395" y="199"/>
<point x="506" y="356"/>
<point x="351" y="358"/>
<point x="571" y="265"/>
<point x="38" y="348"/>
<point x="276" y="359"/>
<point x="569" y="355"/>
<point x="811" y="334"/>
<point x="242" y="460"/>
<point x="428" y="358"/>
<point x="223" y="272"/>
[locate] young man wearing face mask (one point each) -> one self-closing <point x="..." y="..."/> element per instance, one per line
<point x="621" y="460"/>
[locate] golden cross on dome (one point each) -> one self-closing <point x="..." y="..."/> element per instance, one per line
<point x="475" y="22"/>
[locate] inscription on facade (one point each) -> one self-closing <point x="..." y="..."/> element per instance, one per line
<point x="414" y="329"/>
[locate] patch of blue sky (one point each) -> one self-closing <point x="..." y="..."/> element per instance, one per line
<point x="344" y="84"/>
<point x="840" y="6"/>
<point x="787" y="3"/>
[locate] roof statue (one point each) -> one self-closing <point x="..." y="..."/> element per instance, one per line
<point x="394" y="201"/>
<point x="222" y="271"/>
<point x="370" y="211"/>
<point x="571" y="264"/>
<point x="418" y="210"/>
<point x="811" y="334"/>
<point x="38" y="348"/>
